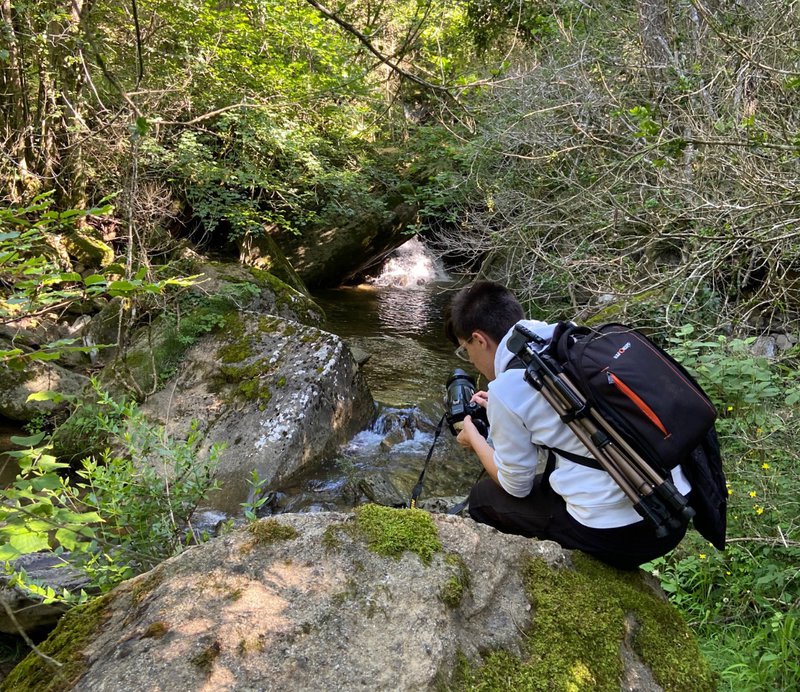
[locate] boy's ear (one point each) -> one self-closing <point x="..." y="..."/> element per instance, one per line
<point x="482" y="338"/>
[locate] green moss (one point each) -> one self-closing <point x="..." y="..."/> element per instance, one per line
<point x="144" y="585"/>
<point x="66" y="644"/>
<point x="578" y="628"/>
<point x="88" y="249"/>
<point x="155" y="630"/>
<point x="452" y="593"/>
<point x="205" y="658"/>
<point x="296" y="302"/>
<point x="268" y="531"/>
<point x="268" y="324"/>
<point x="246" y="382"/>
<point x="391" y="532"/>
<point x="330" y="538"/>
<point x="236" y="351"/>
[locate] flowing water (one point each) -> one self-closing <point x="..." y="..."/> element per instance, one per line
<point x="396" y="318"/>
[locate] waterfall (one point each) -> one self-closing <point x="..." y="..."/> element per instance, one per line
<point x="410" y="265"/>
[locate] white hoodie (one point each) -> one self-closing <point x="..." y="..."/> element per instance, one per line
<point x="519" y="417"/>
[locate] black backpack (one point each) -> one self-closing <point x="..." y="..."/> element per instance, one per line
<point x="654" y="404"/>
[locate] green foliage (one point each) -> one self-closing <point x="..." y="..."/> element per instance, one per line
<point x="33" y="272"/>
<point x="257" y="496"/>
<point x="119" y="514"/>
<point x="743" y="603"/>
<point x="36" y="274"/>
<point x="494" y="22"/>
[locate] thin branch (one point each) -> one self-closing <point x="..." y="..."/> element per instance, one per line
<point x="364" y="40"/>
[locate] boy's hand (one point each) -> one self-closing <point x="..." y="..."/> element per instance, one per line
<point x="468" y="433"/>
<point x="481" y="398"/>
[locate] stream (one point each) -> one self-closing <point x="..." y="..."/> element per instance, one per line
<point x="397" y="318"/>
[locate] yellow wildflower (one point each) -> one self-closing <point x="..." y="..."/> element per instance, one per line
<point x="702" y="556"/>
<point x="764" y="466"/>
<point x="752" y="493"/>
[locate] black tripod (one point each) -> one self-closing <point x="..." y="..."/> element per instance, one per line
<point x="653" y="495"/>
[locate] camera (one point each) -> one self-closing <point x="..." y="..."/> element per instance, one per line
<point x="460" y="389"/>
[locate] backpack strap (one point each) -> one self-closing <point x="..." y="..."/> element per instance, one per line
<point x="577" y="458"/>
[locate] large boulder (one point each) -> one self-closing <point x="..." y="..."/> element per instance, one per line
<point x="16" y="385"/>
<point x="328" y="255"/>
<point x="278" y="394"/>
<point x="382" y="600"/>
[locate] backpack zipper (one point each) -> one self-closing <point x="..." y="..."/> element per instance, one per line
<point x="638" y="402"/>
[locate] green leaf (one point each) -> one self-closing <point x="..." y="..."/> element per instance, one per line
<point x="8" y="552"/>
<point x="142" y="126"/>
<point x="69" y="276"/>
<point x="11" y="353"/>
<point x="45" y="355"/>
<point x="46" y="395"/>
<point x="120" y="287"/>
<point x="31" y="441"/>
<point x="94" y="279"/>
<point x="29" y="542"/>
<point x="68" y="539"/>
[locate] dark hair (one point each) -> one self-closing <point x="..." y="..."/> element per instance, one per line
<point x="485" y="305"/>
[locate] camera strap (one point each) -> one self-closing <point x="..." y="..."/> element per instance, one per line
<point x="417" y="491"/>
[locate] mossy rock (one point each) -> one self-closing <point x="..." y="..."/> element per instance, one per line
<point x="583" y="618"/>
<point x="263" y="253"/>
<point x="88" y="249"/>
<point x="392" y="532"/>
<point x="66" y="644"/>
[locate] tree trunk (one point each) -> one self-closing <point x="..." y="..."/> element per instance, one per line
<point x="14" y="108"/>
<point x="70" y="128"/>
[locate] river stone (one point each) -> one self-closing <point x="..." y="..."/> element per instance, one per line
<point x="38" y="376"/>
<point x="278" y="394"/>
<point x="302" y="603"/>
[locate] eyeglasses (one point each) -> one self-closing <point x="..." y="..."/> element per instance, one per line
<point x="461" y="351"/>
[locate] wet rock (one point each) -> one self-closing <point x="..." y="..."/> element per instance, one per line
<point x="380" y="490"/>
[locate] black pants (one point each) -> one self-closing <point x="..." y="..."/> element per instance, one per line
<point x="543" y="514"/>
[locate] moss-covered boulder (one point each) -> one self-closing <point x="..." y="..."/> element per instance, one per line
<point x="262" y="252"/>
<point x="278" y="394"/>
<point x="222" y="291"/>
<point x="88" y="249"/>
<point x="157" y="348"/>
<point x="380" y="599"/>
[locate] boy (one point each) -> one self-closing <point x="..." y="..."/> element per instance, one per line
<point x="578" y="506"/>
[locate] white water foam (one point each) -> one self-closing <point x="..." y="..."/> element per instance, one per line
<point x="409" y="266"/>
